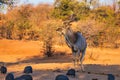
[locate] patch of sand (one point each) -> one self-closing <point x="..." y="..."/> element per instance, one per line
<point x="18" y="54"/>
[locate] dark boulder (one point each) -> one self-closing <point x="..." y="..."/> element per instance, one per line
<point x="28" y="69"/>
<point x="24" y="77"/>
<point x="111" y="77"/>
<point x="61" y="77"/>
<point x="71" y="72"/>
<point x="9" y="76"/>
<point x="3" y="70"/>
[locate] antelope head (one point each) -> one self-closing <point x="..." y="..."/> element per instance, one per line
<point x="65" y="25"/>
<point x="63" y="29"/>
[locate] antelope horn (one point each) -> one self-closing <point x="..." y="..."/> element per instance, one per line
<point x="71" y="19"/>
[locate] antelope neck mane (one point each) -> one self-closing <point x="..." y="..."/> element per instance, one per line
<point x="72" y="36"/>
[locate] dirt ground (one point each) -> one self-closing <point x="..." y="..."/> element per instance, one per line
<point x="98" y="61"/>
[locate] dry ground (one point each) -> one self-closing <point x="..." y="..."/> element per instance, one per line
<point x="18" y="54"/>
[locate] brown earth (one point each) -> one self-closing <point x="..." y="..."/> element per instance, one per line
<point x="18" y="54"/>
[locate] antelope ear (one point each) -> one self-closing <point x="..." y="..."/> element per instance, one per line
<point x="57" y="29"/>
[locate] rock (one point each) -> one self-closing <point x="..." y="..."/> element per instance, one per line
<point x="94" y="79"/>
<point x="111" y="77"/>
<point x="9" y="76"/>
<point x="61" y="77"/>
<point x="24" y="77"/>
<point x="28" y="69"/>
<point x="3" y="70"/>
<point x="71" y="72"/>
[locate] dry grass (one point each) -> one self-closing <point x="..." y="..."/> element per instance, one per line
<point x="30" y="52"/>
<point x="13" y="51"/>
<point x="18" y="54"/>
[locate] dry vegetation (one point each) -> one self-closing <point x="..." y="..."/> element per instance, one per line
<point x="100" y="25"/>
<point x="12" y="51"/>
<point x="18" y="54"/>
<point x="28" y="34"/>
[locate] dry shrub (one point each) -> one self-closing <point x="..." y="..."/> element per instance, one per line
<point x="48" y="35"/>
<point x="92" y="31"/>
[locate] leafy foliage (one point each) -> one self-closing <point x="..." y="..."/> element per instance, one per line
<point x="103" y="13"/>
<point x="10" y="4"/>
<point x="100" y="25"/>
<point x="64" y="8"/>
<point x="48" y="37"/>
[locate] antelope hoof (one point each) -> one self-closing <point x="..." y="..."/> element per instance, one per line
<point x="83" y="71"/>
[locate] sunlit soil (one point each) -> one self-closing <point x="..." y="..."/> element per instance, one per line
<point x="18" y="54"/>
<point x="13" y="51"/>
